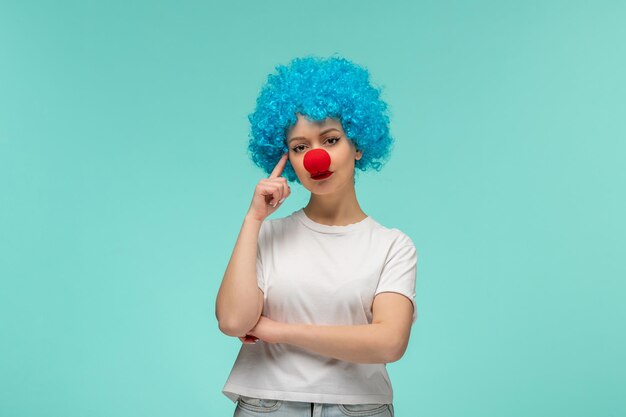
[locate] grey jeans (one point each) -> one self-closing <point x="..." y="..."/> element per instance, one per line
<point x="259" y="407"/>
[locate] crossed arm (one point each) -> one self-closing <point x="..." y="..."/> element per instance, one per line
<point x="383" y="341"/>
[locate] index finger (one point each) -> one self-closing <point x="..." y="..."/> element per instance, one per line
<point x="278" y="169"/>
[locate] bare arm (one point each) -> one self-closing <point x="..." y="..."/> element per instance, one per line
<point x="383" y="341"/>
<point x="239" y="300"/>
<point x="364" y="343"/>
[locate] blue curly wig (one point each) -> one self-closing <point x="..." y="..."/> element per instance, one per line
<point x="318" y="88"/>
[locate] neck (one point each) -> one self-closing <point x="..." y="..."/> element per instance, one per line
<point x="337" y="209"/>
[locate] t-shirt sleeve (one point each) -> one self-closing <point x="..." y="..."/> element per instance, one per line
<point x="400" y="271"/>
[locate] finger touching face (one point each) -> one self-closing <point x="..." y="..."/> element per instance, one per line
<point x="280" y="166"/>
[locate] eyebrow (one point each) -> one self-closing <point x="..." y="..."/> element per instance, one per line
<point x="323" y="133"/>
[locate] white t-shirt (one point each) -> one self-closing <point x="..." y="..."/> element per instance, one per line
<point x="327" y="275"/>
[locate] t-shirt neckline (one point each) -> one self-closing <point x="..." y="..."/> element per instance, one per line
<point x="325" y="228"/>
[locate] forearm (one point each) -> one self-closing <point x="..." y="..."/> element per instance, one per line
<point x="365" y="343"/>
<point x="237" y="302"/>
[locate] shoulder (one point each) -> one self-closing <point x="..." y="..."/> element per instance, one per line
<point x="272" y="228"/>
<point x="394" y="237"/>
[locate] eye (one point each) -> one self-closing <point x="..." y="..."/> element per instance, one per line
<point x="296" y="148"/>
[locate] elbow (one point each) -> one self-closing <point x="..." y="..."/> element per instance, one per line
<point x="235" y="329"/>
<point x="237" y="321"/>
<point x="231" y="326"/>
<point x="396" y="351"/>
<point x="393" y="356"/>
<point x="232" y="329"/>
<point x="226" y="328"/>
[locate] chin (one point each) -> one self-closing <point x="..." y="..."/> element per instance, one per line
<point x="320" y="187"/>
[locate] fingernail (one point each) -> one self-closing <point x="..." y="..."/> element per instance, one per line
<point x="281" y="200"/>
<point x="274" y="205"/>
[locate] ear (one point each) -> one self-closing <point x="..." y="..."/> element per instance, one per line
<point x="359" y="154"/>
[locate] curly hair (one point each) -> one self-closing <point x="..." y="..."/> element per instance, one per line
<point x="318" y="88"/>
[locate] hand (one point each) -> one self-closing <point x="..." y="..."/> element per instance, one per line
<point x="270" y="192"/>
<point x="247" y="339"/>
<point x="266" y="329"/>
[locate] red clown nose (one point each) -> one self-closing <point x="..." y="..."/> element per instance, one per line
<point x="317" y="162"/>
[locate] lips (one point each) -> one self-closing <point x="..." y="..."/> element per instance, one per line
<point x="321" y="175"/>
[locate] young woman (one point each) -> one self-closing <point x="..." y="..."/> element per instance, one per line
<point x="323" y="298"/>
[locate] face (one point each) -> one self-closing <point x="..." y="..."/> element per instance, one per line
<point x="328" y="135"/>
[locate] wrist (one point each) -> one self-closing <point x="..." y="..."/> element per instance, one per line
<point x="251" y="219"/>
<point x="287" y="333"/>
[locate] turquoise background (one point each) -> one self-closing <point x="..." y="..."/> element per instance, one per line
<point x="124" y="180"/>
